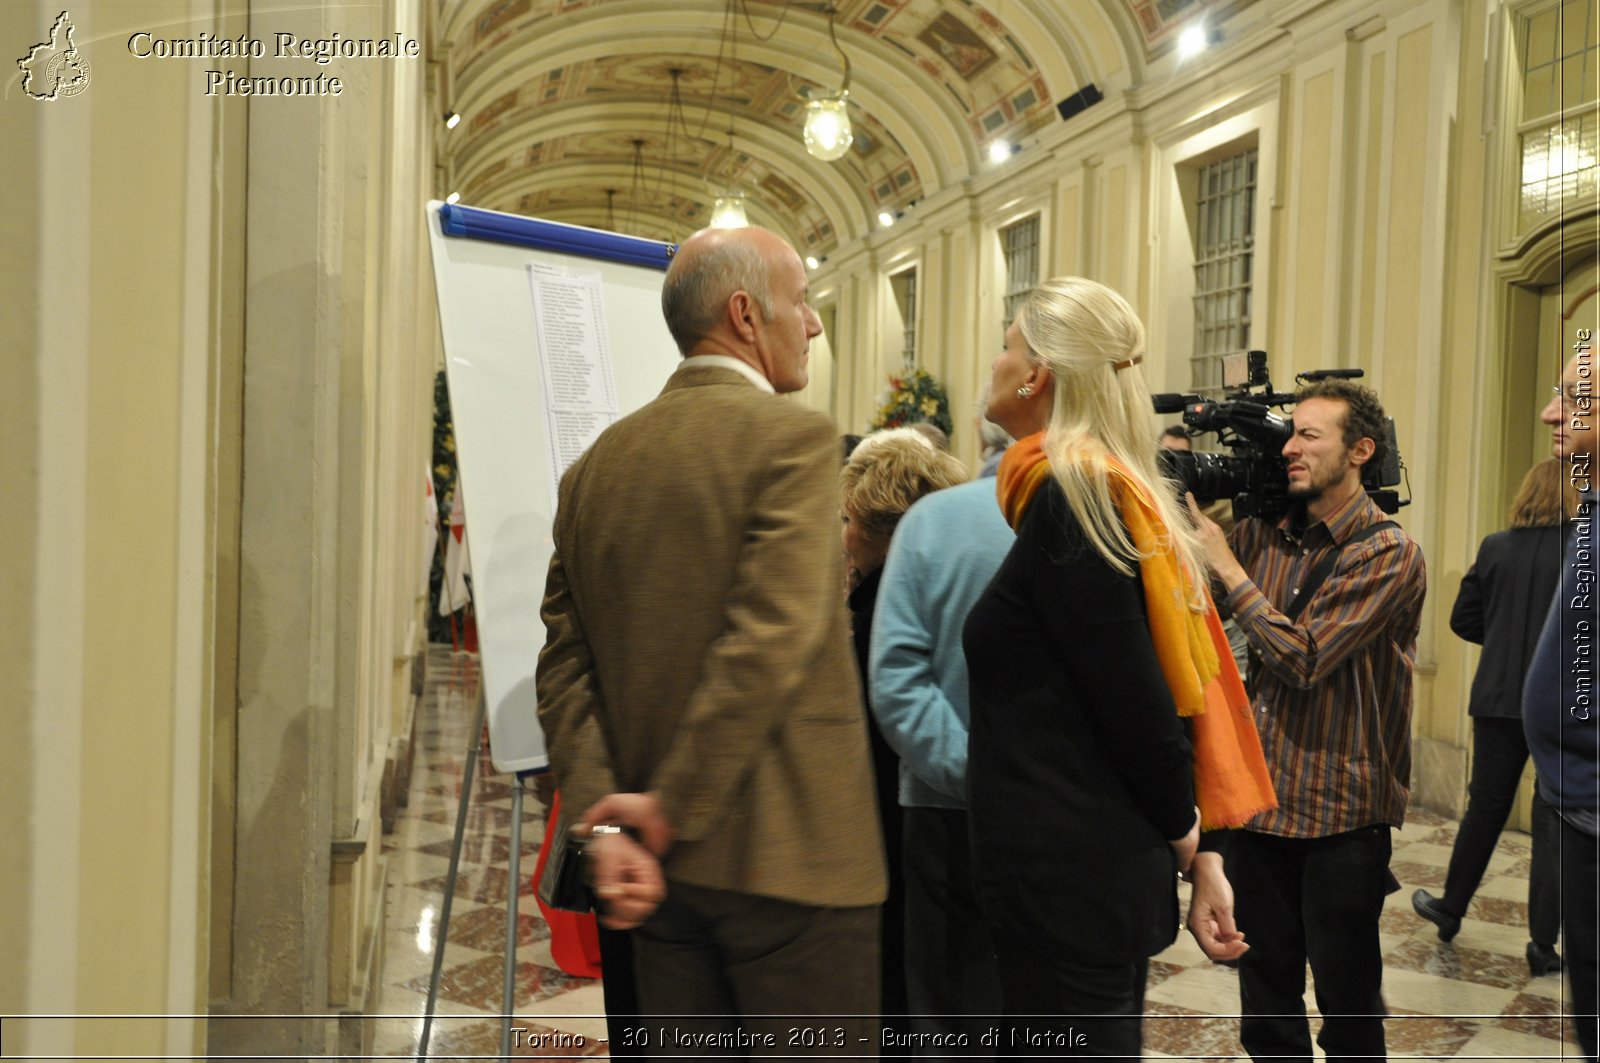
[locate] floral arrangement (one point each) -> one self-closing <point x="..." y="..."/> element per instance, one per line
<point x="444" y="486"/>
<point x="913" y="396"/>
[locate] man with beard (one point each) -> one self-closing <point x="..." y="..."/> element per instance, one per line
<point x="1332" y="697"/>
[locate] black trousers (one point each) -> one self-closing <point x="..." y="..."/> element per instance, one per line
<point x="952" y="979"/>
<point x="1060" y="1009"/>
<point x="1499" y="753"/>
<point x="620" y="992"/>
<point x="1580" y="893"/>
<point x="1313" y="900"/>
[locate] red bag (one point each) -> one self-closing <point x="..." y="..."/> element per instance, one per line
<point x="574" y="936"/>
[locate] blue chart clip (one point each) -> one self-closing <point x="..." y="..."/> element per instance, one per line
<point x="476" y="224"/>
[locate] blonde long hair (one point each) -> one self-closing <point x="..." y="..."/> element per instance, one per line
<point x="1082" y="331"/>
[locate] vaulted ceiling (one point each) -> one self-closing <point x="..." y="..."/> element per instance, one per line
<point x="566" y="104"/>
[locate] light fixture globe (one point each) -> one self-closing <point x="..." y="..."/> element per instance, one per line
<point x="728" y="211"/>
<point x="827" y="131"/>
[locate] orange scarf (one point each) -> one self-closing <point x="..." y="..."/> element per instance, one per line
<point x="1231" y="783"/>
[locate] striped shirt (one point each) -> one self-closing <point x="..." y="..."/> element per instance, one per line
<point x="1333" y="695"/>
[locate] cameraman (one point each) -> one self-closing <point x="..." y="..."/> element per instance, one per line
<point x="1332" y="696"/>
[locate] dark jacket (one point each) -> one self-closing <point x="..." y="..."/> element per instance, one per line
<point x="1559" y="712"/>
<point x="1501" y="606"/>
<point x="1078" y="768"/>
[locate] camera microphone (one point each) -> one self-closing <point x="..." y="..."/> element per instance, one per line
<point x="1313" y="375"/>
<point x="1173" y="401"/>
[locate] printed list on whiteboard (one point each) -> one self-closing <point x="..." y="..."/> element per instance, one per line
<point x="580" y="390"/>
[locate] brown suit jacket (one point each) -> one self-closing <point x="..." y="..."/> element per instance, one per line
<point x="697" y="642"/>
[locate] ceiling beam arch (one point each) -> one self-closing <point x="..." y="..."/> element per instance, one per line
<point x="835" y="192"/>
<point x="924" y="120"/>
<point x="505" y="196"/>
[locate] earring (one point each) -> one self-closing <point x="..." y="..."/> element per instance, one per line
<point x="1025" y="391"/>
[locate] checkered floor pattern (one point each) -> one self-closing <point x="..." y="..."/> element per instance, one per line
<point x="1470" y="999"/>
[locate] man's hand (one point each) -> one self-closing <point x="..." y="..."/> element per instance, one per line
<point x="1210" y="917"/>
<point x="627" y="880"/>
<point x="642" y="812"/>
<point x="1214" y="543"/>
<point x="1184" y="847"/>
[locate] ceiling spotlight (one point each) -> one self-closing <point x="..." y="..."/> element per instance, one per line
<point x="999" y="151"/>
<point x="885" y="219"/>
<point x="451" y="119"/>
<point x="453" y="197"/>
<point x="728" y="211"/>
<point x="811" y="262"/>
<point x="1192" y="42"/>
<point x="827" y="129"/>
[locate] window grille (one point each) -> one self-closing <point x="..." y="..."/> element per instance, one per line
<point x="1560" y="113"/>
<point x="904" y="284"/>
<point x="1020" y="245"/>
<point x="1224" y="251"/>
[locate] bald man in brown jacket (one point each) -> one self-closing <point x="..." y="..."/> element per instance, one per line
<point x="696" y="683"/>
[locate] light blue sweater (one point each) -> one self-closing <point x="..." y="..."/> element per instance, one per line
<point x="944" y="552"/>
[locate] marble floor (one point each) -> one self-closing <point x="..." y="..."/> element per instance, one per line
<point x="1470" y="999"/>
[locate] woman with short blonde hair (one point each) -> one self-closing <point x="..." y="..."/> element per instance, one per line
<point x="884" y="475"/>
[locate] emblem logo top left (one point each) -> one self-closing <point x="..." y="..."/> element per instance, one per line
<point x="54" y="69"/>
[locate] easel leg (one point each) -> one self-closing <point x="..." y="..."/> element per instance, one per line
<point x="450" y="878"/>
<point x="513" y="891"/>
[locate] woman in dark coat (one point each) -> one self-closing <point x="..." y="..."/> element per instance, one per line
<point x="1093" y="658"/>
<point x="1502" y="605"/>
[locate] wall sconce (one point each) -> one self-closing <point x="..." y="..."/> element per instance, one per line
<point x="451" y="119"/>
<point x="827" y="128"/>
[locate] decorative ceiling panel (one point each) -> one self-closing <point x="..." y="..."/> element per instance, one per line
<point x="553" y="108"/>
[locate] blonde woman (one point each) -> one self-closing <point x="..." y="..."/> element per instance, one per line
<point x="885" y="474"/>
<point x="1103" y="713"/>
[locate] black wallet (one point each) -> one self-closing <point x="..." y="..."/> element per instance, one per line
<point x="568" y="873"/>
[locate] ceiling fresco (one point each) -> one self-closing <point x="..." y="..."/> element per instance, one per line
<point x="559" y="98"/>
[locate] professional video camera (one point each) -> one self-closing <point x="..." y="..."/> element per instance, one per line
<point x="1255" y="475"/>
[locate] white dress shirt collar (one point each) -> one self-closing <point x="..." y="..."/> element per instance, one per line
<point x="722" y="361"/>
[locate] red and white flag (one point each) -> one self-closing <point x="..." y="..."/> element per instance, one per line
<point x="453" y="592"/>
<point x="430" y="524"/>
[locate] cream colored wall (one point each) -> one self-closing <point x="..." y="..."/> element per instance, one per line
<point x="115" y="352"/>
<point x="1379" y="170"/>
<point x="220" y="366"/>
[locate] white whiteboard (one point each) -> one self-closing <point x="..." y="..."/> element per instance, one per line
<point x="481" y="269"/>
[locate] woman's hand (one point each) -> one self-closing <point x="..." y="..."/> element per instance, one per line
<point x="1211" y="911"/>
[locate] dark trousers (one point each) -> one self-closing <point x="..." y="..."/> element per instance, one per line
<point x="952" y="980"/>
<point x="724" y="964"/>
<point x="1580" y="893"/>
<point x="621" y="994"/>
<point x="1059" y="1009"/>
<point x="1316" y="900"/>
<point x="1499" y="753"/>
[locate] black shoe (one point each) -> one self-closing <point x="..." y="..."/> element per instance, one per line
<point x="1543" y="959"/>
<point x="1431" y="908"/>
